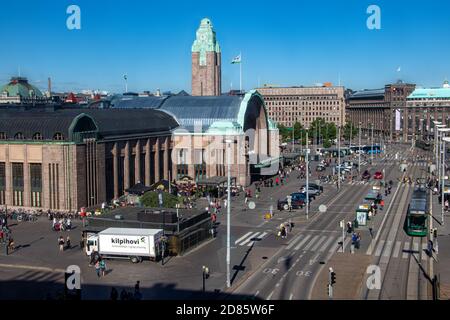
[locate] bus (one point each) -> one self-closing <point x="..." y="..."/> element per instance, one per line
<point x="416" y="222"/>
<point x="372" y="149"/>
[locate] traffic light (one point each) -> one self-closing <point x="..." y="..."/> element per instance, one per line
<point x="434" y="233"/>
<point x="333" y="278"/>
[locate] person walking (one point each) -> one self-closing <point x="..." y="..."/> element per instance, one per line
<point x="103" y="267"/>
<point x="68" y="245"/>
<point x="61" y="243"/>
<point x="97" y="268"/>
<point x="289" y="202"/>
<point x="358" y="240"/>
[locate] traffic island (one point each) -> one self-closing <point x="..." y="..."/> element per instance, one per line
<point x="350" y="270"/>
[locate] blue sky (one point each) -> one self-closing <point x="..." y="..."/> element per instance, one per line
<point x="282" y="42"/>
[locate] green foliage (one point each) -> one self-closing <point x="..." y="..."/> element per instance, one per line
<point x="350" y="130"/>
<point x="326" y="143"/>
<point x="285" y="133"/>
<point x="150" y="199"/>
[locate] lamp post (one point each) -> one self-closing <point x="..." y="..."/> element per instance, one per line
<point x="444" y="140"/>
<point x="339" y="157"/>
<point x="439" y="128"/>
<point x="205" y="275"/>
<point x="307" y="176"/>
<point x="371" y="153"/>
<point x="359" y="152"/>
<point x="228" y="259"/>
<point x="436" y="123"/>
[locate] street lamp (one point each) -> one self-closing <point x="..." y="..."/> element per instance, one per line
<point x="359" y="151"/>
<point x="228" y="259"/>
<point x="438" y="147"/>
<point x="307" y="176"/>
<point x="444" y="140"/>
<point x="339" y="157"/>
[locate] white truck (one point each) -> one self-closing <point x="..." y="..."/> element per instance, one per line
<point x="126" y="243"/>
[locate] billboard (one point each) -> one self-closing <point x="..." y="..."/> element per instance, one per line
<point x="125" y="244"/>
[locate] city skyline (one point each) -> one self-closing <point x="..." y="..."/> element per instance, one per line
<point x="305" y="44"/>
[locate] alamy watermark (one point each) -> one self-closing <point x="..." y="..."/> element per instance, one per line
<point x="73" y="21"/>
<point x="374" y="20"/>
<point x="374" y="279"/>
<point x="73" y="277"/>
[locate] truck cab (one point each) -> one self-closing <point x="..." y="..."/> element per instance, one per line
<point x="91" y="244"/>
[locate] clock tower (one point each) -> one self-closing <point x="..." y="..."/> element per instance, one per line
<point x="206" y="62"/>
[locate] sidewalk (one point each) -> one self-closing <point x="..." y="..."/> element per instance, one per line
<point x="350" y="271"/>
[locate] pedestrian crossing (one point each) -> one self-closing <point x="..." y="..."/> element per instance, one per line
<point x="395" y="248"/>
<point x="250" y="238"/>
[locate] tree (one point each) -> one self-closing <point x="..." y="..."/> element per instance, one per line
<point x="350" y="130"/>
<point x="285" y="133"/>
<point x="150" y="199"/>
<point x="298" y="130"/>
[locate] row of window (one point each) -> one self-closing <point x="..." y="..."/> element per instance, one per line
<point x="296" y="103"/>
<point x="280" y="98"/>
<point x="37" y="136"/>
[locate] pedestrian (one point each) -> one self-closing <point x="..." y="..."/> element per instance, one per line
<point x="289" y="202"/>
<point x="68" y="246"/>
<point x="61" y="243"/>
<point x="358" y="240"/>
<point x="103" y="267"/>
<point x="97" y="268"/>
<point x="114" y="294"/>
<point x="137" y="286"/>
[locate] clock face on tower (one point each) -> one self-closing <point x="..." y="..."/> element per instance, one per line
<point x="203" y="37"/>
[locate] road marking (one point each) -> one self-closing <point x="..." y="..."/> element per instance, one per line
<point x="311" y="243"/>
<point x="424" y="252"/>
<point x="291" y="296"/>
<point x="325" y="245"/>
<point x="259" y="239"/>
<point x="416" y="246"/>
<point x="302" y="242"/>
<point x="314" y="248"/>
<point x="379" y="248"/>
<point x="397" y="249"/>
<point x="270" y="295"/>
<point x="387" y="249"/>
<point x="346" y="242"/>
<point x="249" y="239"/>
<point x="243" y="237"/>
<point x="19" y="266"/>
<point x="294" y="241"/>
<point x="256" y="293"/>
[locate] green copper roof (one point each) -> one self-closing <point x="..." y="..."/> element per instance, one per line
<point x="433" y="93"/>
<point x="20" y="87"/>
<point x="205" y="40"/>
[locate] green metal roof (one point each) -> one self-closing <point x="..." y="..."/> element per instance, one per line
<point x="430" y="93"/>
<point x="20" y="87"/>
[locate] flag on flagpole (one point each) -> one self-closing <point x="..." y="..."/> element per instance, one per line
<point x="236" y="59"/>
<point x="399" y="69"/>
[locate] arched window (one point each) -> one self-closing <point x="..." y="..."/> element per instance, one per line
<point x="58" y="136"/>
<point x="3" y="136"/>
<point x="19" y="136"/>
<point x="37" y="136"/>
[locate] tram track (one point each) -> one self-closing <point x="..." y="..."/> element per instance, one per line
<point x="384" y="249"/>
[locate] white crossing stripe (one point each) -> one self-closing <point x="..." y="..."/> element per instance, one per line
<point x="346" y="242"/>
<point x="302" y="242"/>
<point x="387" y="249"/>
<point x="293" y="242"/>
<point x="243" y="237"/>
<point x="325" y="245"/>
<point x="424" y="252"/>
<point x="253" y="235"/>
<point x="405" y="250"/>
<point x="416" y="246"/>
<point x="259" y="239"/>
<point x="379" y="248"/>
<point x="318" y="243"/>
<point x="397" y="249"/>
<point x="313" y="240"/>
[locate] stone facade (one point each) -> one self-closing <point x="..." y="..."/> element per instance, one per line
<point x="288" y="105"/>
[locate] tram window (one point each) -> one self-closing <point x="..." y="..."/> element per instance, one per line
<point x="417" y="221"/>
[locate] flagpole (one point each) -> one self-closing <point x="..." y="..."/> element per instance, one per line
<point x="240" y="73"/>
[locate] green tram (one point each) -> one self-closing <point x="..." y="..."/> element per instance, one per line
<point x="416" y="222"/>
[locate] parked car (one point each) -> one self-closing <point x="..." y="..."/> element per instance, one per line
<point x="312" y="193"/>
<point x="378" y="175"/>
<point x="314" y="186"/>
<point x="298" y="202"/>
